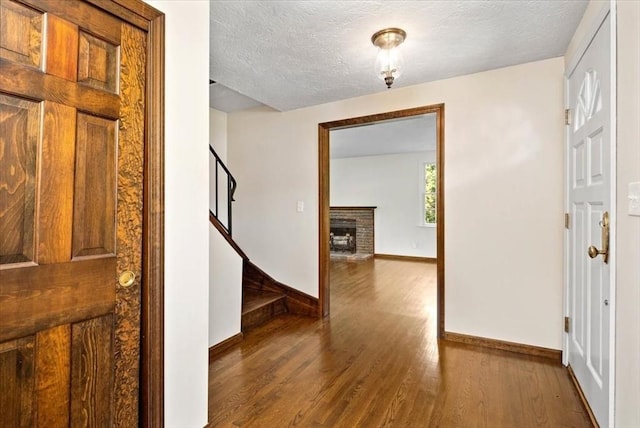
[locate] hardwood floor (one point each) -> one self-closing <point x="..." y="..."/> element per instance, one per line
<point x="376" y="362"/>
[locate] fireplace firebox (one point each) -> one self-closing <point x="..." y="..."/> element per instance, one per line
<point x="342" y="236"/>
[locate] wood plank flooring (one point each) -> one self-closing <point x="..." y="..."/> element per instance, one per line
<point x="376" y="363"/>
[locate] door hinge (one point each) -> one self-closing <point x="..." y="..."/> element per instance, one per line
<point x="566" y="324"/>
<point x="567" y="221"/>
<point x="567" y="116"/>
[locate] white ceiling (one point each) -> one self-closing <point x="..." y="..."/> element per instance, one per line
<point x="292" y="54"/>
<point x="407" y="135"/>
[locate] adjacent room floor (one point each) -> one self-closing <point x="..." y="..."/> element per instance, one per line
<point x="376" y="362"/>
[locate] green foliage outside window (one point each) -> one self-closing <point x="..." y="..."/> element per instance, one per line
<point x="430" y="177"/>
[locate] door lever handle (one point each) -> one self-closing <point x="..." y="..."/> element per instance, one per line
<point x="594" y="251"/>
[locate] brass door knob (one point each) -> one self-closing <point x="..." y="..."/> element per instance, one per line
<point x="594" y="252"/>
<point x="127" y="278"/>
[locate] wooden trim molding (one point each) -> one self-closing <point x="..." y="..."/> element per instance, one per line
<point x="323" y="200"/>
<point x="219" y="348"/>
<point x="406" y="258"/>
<point x="583" y="398"/>
<point x="440" y="218"/>
<point x="323" y="220"/>
<point x="126" y="10"/>
<point x="520" y="348"/>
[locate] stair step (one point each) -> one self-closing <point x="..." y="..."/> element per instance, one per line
<point x="259" y="307"/>
<point x="253" y="299"/>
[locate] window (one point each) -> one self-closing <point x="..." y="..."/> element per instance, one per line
<point x="429" y="195"/>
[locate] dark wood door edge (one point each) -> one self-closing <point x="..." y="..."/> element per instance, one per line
<point x="520" y="348"/>
<point x="323" y="201"/>
<point x="152" y="293"/>
<point x="583" y="398"/>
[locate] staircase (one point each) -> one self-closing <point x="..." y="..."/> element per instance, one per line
<point x="263" y="298"/>
<point x="258" y="307"/>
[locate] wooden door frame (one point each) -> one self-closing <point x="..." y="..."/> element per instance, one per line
<point x="323" y="197"/>
<point x="151" y="20"/>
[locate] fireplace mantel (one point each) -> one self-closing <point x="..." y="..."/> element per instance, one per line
<point x="353" y="208"/>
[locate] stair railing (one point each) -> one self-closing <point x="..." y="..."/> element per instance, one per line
<point x="223" y="187"/>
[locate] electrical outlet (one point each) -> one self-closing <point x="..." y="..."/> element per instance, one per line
<point x="634" y="199"/>
<point x="300" y="206"/>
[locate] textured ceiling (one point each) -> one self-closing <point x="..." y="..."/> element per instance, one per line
<point x="292" y="54"/>
<point x="407" y="135"/>
<point x="228" y="100"/>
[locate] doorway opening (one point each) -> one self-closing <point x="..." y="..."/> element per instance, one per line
<point x="324" y="199"/>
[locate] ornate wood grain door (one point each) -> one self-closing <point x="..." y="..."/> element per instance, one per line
<point x="72" y="92"/>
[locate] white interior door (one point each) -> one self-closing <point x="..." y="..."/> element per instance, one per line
<point x="589" y="194"/>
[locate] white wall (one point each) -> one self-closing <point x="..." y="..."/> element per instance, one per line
<point x="503" y="189"/>
<point x="225" y="265"/>
<point x="218" y="132"/>
<point x="218" y="140"/>
<point x="393" y="184"/>
<point x="628" y="236"/>
<point x="186" y="219"/>
<point x="225" y="289"/>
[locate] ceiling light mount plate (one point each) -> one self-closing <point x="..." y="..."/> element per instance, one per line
<point x="388" y="38"/>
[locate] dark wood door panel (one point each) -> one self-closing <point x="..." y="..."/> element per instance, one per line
<point x="33" y="298"/>
<point x="17" y="382"/>
<point x="55" y="196"/>
<point x="53" y="374"/>
<point x="98" y="63"/>
<point x="62" y="376"/>
<point x="21" y="34"/>
<point x="94" y="212"/>
<point x="92" y="373"/>
<point x="77" y="183"/>
<point x="62" y="48"/>
<point x="19" y="136"/>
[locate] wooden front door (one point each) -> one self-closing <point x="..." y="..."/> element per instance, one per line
<point x="72" y="117"/>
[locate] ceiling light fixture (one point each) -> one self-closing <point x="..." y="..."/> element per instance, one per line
<point x="389" y="62"/>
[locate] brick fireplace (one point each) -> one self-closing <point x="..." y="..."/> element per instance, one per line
<point x="343" y="222"/>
